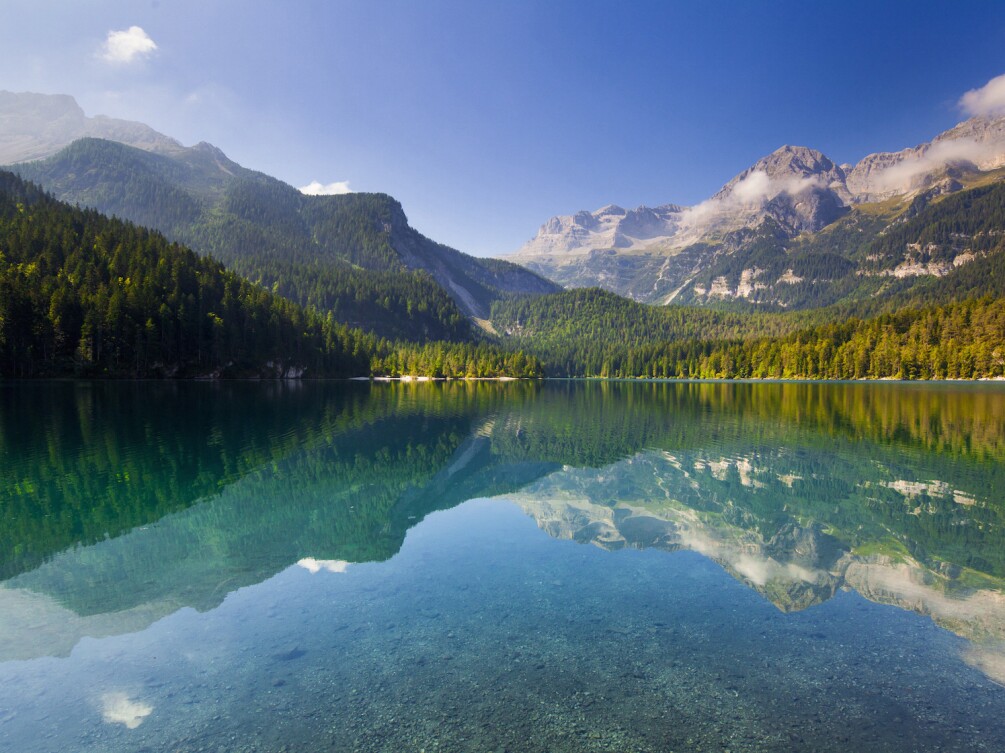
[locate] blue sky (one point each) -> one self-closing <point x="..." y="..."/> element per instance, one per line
<point x="486" y="118"/>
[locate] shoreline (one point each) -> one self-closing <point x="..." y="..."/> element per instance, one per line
<point x="412" y="378"/>
<point x="425" y="379"/>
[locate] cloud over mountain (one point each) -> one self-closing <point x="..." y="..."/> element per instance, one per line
<point x="317" y="188"/>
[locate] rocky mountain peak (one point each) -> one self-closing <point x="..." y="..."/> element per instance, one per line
<point x="792" y="190"/>
<point x="39" y="106"/>
<point x="795" y="160"/>
<point x="787" y="170"/>
<point x="33" y="126"/>
<point x="976" y="144"/>
<point x="611" y="210"/>
<point x="979" y="129"/>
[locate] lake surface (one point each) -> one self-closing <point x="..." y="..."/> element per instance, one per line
<point x="563" y="566"/>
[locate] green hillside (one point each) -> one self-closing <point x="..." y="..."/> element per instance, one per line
<point x="83" y="294"/>
<point x="962" y="340"/>
<point x="353" y="255"/>
<point x="355" y="258"/>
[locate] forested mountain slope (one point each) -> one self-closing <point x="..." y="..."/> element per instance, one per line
<point x="354" y="255"/>
<point x="575" y="335"/>
<point x="598" y="316"/>
<point x="82" y="294"/>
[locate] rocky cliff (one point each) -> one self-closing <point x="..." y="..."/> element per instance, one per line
<point x="658" y="254"/>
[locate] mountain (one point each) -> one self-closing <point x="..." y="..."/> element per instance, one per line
<point x="914" y="293"/>
<point x="33" y="126"/>
<point x="354" y="255"/>
<point x="793" y="204"/>
<point x="976" y="144"/>
<point x="86" y="295"/>
<point x="931" y="248"/>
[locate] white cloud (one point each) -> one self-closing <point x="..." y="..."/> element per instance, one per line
<point x="758" y="187"/>
<point x="119" y="708"/>
<point x="312" y="565"/>
<point x="316" y="188"/>
<point x="127" y="46"/>
<point x="751" y="191"/>
<point x="988" y="100"/>
<point x="902" y="175"/>
<point x="754" y="187"/>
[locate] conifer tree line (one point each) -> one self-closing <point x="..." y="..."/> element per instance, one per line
<point x="964" y="340"/>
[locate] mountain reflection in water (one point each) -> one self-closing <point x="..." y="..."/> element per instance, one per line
<point x="797" y="490"/>
<point x="128" y="502"/>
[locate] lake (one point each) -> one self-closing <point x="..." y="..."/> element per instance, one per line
<point x="557" y="566"/>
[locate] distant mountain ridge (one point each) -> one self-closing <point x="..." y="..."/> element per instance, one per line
<point x="978" y="143"/>
<point x="354" y="254"/>
<point x="658" y="254"/>
<point x="33" y="126"/>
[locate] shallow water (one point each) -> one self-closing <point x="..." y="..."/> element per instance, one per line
<point x="582" y="567"/>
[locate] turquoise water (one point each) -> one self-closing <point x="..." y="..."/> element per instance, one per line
<point x="516" y="567"/>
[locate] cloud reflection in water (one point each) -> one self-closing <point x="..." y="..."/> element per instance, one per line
<point x="119" y="708"/>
